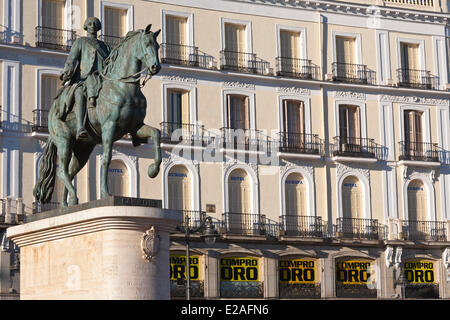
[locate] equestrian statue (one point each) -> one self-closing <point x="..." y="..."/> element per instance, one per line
<point x="100" y="101"/>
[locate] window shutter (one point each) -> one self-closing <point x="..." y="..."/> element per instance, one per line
<point x="115" y="22"/>
<point x="49" y="88"/>
<point x="185" y="114"/>
<point x="53" y="14"/>
<point x="356" y="121"/>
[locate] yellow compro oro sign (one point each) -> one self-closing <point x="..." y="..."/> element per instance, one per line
<point x="297" y="271"/>
<point x="178" y="267"/>
<point x="239" y="269"/>
<point x="419" y="272"/>
<point x="355" y="272"/>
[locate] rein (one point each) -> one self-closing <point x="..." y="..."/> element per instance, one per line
<point x="140" y="74"/>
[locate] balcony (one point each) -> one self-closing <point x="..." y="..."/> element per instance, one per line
<point x="418" y="151"/>
<point x="352" y="73"/>
<point x="52" y="38"/>
<point x="111" y="41"/>
<point x="174" y="133"/>
<point x="296" y="68"/>
<point x="417" y="79"/>
<point x="302" y="226"/>
<point x="302" y="143"/>
<point x="354" y="147"/>
<point x="247" y="224"/>
<point x="40" y="121"/>
<point x="423" y="230"/>
<point x="357" y="228"/>
<point x="242" y="62"/>
<point x="195" y="218"/>
<point x="244" y="139"/>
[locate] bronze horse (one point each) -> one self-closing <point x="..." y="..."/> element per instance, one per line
<point x="121" y="109"/>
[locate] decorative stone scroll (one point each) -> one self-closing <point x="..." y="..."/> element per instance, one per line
<point x="414" y="100"/>
<point x="150" y="244"/>
<point x="238" y="85"/>
<point x="350" y="95"/>
<point x="179" y="79"/>
<point x="294" y="91"/>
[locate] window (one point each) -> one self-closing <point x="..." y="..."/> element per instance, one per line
<point x="237" y="112"/>
<point x="293" y="116"/>
<point x="118" y="179"/>
<point x="413" y="126"/>
<point x="53" y="14"/>
<point x="239" y="192"/>
<point x="235" y="50"/>
<point x="176" y="31"/>
<point x="49" y="87"/>
<point x="115" y="25"/>
<point x="351" y="198"/>
<point x="409" y="54"/>
<point x="349" y="123"/>
<point x="234" y="37"/>
<point x="345" y="50"/>
<point x="295" y="195"/>
<point x="179" y="189"/>
<point x="290" y="44"/>
<point x="178" y="107"/>
<point x="417" y="201"/>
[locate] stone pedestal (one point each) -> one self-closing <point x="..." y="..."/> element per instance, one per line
<point x="96" y="253"/>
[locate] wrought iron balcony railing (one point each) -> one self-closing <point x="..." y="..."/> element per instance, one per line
<point x="419" y="151"/>
<point x="242" y="62"/>
<point x="352" y="73"/>
<point x="302" y="226"/>
<point x="296" y="68"/>
<point x="357" y="228"/>
<point x="40" y="121"/>
<point x="244" y="139"/>
<point x="173" y="132"/>
<point x="179" y="54"/>
<point x="249" y="224"/>
<point x="420" y="79"/>
<point x="354" y="147"/>
<point x="55" y="38"/>
<point x="195" y="218"/>
<point x="423" y="230"/>
<point x="111" y="41"/>
<point x="293" y="142"/>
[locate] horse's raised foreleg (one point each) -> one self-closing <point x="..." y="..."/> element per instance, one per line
<point x="64" y="155"/>
<point x="107" y="141"/>
<point x="145" y="132"/>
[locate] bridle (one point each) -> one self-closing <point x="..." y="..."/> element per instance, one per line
<point x="140" y="74"/>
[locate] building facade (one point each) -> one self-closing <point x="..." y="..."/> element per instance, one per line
<point x="316" y="134"/>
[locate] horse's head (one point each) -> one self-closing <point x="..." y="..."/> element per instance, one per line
<point x="150" y="49"/>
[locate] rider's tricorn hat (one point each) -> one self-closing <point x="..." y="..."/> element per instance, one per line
<point x="97" y="23"/>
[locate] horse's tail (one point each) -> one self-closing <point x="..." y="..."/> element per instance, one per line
<point x="47" y="173"/>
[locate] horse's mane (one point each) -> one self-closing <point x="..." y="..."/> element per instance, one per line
<point x="109" y="62"/>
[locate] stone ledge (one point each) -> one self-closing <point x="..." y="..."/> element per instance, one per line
<point x="105" y="202"/>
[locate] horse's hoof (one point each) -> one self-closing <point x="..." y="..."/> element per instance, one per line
<point x="105" y="195"/>
<point x="73" y="201"/>
<point x="153" y="170"/>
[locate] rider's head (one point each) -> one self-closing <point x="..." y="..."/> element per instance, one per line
<point x="92" y="22"/>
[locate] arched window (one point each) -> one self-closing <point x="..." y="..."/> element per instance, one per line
<point x="417" y="201"/>
<point x="352" y="198"/>
<point x="239" y="192"/>
<point x="240" y="218"/>
<point x="179" y="188"/>
<point x="118" y="179"/>
<point x="295" y="195"/>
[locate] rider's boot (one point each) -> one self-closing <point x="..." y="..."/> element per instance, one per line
<point x="81" y="131"/>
